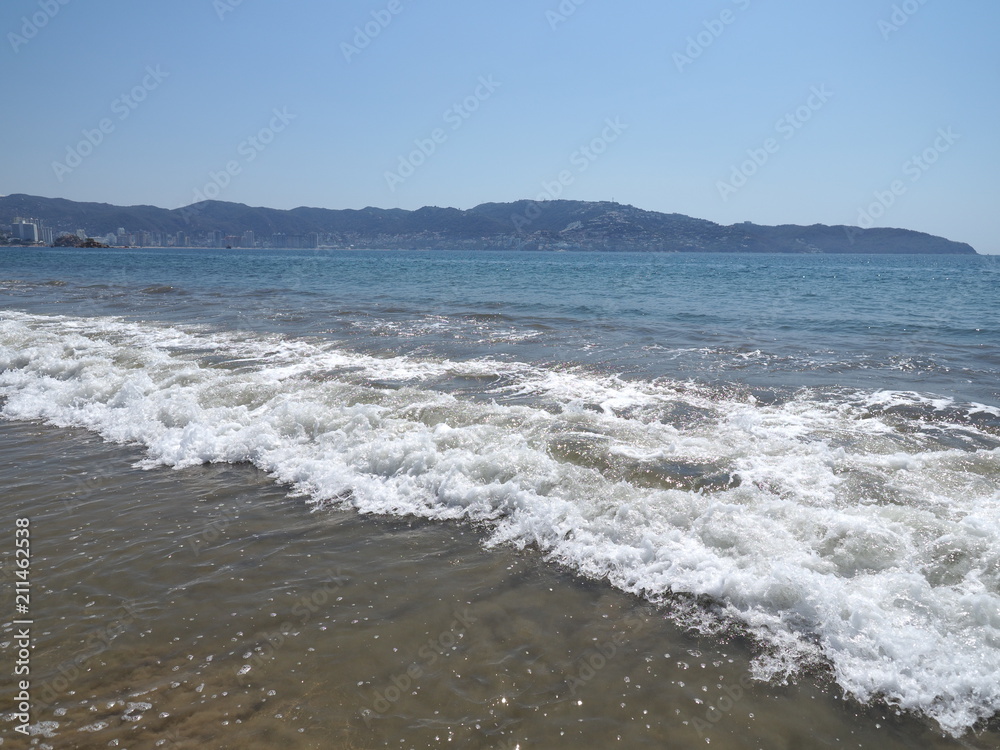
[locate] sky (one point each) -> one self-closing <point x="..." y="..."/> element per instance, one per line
<point x="859" y="112"/>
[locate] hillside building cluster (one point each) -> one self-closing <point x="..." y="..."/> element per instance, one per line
<point x="31" y="231"/>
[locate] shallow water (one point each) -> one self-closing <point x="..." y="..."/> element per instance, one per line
<point x="599" y="500"/>
<point x="204" y="607"/>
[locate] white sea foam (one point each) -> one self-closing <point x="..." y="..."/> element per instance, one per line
<point x="828" y="525"/>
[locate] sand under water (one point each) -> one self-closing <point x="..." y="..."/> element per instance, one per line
<point x="206" y="607"/>
<point x="408" y="500"/>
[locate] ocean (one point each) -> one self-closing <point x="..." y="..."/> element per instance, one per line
<point x="412" y="499"/>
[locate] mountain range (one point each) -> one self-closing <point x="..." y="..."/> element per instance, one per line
<point x="527" y="225"/>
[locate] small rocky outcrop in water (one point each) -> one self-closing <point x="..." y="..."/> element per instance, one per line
<point x="71" y="240"/>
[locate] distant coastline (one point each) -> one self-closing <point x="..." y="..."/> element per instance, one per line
<point x="521" y="225"/>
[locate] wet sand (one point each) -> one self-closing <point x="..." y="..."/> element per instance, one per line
<point x="205" y="608"/>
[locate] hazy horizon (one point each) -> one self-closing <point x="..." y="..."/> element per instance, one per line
<point x="858" y="114"/>
<point x="459" y="208"/>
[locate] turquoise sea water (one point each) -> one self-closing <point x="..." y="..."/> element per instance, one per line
<point x="911" y="322"/>
<point x="808" y="445"/>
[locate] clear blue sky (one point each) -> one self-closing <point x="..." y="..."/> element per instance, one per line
<point x="888" y="90"/>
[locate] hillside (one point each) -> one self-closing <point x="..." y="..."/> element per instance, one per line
<point x="526" y="225"/>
